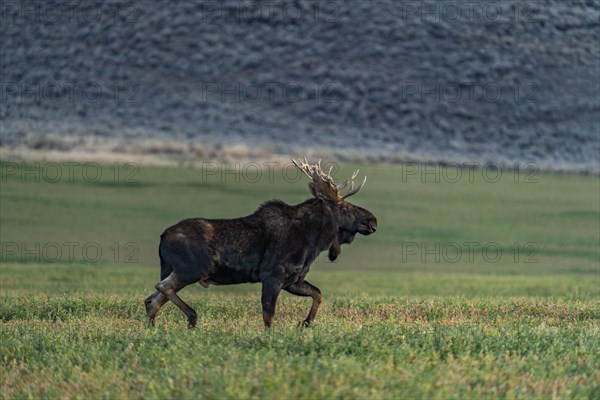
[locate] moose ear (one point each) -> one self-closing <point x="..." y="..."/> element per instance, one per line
<point x="323" y="191"/>
<point x="311" y="187"/>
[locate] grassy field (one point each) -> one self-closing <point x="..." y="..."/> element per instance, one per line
<point x="470" y="288"/>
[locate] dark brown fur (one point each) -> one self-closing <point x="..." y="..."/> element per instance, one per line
<point x="275" y="246"/>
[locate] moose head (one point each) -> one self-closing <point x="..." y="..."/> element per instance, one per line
<point x="350" y="219"/>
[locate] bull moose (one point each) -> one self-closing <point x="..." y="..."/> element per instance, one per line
<point x="275" y="246"/>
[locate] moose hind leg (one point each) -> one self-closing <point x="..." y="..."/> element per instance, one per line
<point x="153" y="303"/>
<point x="306" y="289"/>
<point x="169" y="288"/>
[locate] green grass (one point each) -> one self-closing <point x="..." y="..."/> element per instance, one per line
<point x="400" y="318"/>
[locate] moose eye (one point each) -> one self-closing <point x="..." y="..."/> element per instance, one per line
<point x="346" y="208"/>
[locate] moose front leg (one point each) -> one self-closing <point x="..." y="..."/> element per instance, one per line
<point x="306" y="289"/>
<point x="270" y="292"/>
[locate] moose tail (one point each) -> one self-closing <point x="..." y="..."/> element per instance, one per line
<point x="165" y="267"/>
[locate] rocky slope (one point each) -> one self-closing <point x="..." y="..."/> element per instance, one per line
<point x="502" y="81"/>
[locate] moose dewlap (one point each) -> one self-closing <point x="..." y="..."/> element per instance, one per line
<point x="275" y="246"/>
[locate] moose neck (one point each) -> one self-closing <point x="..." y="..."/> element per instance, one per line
<point x="319" y="217"/>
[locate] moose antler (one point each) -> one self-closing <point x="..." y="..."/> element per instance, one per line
<point x="323" y="186"/>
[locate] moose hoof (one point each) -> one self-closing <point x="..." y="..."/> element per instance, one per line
<point x="304" y="324"/>
<point x="192" y="322"/>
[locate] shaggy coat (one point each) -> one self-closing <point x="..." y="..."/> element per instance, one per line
<point x="275" y="245"/>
